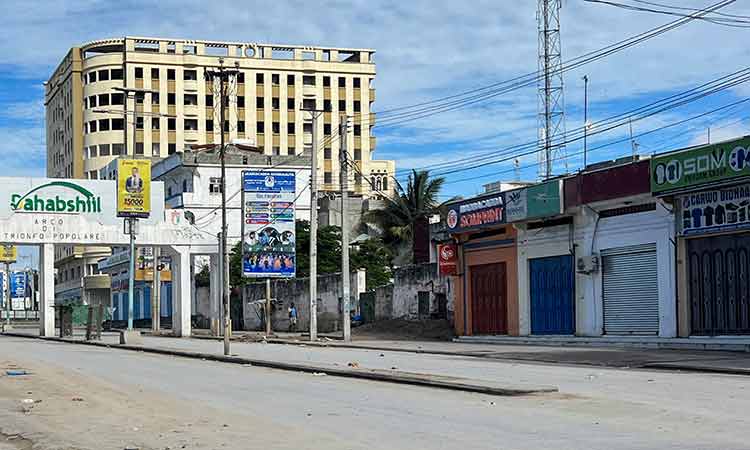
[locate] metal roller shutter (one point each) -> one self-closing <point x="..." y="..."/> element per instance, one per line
<point x="631" y="290"/>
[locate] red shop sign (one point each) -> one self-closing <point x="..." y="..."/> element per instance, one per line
<point x="448" y="259"/>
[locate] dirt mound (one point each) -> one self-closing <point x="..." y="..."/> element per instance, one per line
<point x="401" y="329"/>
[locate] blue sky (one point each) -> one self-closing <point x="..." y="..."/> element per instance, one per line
<point x="425" y="49"/>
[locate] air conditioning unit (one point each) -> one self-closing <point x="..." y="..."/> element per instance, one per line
<point x="587" y="264"/>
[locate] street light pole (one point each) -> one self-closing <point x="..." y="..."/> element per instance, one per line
<point x="585" y="118"/>
<point x="344" y="181"/>
<point x="313" y="285"/>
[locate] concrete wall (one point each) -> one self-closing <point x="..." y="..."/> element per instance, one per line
<point x="400" y="299"/>
<point x="297" y="291"/>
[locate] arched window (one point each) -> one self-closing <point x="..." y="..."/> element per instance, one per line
<point x="385" y="183"/>
<point x="379" y="184"/>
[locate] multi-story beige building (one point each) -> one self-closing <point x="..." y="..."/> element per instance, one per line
<point x="86" y="126"/>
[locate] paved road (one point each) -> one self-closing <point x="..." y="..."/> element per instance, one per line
<point x="159" y="402"/>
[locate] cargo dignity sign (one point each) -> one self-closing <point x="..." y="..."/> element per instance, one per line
<point x="715" y="210"/>
<point x="268" y="228"/>
<point x="133" y="188"/>
<point x="534" y="202"/>
<point x="476" y="213"/>
<point x="704" y="165"/>
<point x="448" y="259"/>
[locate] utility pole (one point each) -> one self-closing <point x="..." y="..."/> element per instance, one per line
<point x="314" y="226"/>
<point x="585" y="119"/>
<point x="156" y="294"/>
<point x="7" y="295"/>
<point x="268" y="307"/>
<point x="223" y="73"/>
<point x="344" y="180"/>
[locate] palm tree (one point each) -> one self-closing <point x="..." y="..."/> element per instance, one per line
<point x="405" y="218"/>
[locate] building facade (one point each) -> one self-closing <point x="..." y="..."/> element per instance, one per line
<point x="87" y="127"/>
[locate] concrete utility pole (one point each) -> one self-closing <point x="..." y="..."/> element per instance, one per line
<point x="268" y="307"/>
<point x="156" y="294"/>
<point x="343" y="161"/>
<point x="314" y="226"/>
<point x="223" y="74"/>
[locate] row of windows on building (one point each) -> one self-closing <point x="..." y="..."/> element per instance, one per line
<point x="74" y="273"/>
<point x="192" y="75"/>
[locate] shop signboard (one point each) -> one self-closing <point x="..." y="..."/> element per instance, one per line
<point x="534" y="202"/>
<point x="715" y="210"/>
<point x="18" y="290"/>
<point x="268" y="228"/>
<point x="448" y="259"/>
<point x="476" y="213"/>
<point x="700" y="166"/>
<point x="8" y="254"/>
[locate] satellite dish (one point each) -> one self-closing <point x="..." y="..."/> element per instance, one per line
<point x="190" y="217"/>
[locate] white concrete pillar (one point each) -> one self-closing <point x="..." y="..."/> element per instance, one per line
<point x="214" y="288"/>
<point x="47" y="290"/>
<point x="181" y="291"/>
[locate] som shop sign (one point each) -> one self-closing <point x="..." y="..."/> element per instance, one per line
<point x="477" y="213"/>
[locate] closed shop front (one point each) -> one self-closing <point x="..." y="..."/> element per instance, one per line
<point x="630" y="290"/>
<point x="552" y="292"/>
<point x="489" y="300"/>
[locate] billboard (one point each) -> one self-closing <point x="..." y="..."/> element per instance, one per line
<point x="133" y="188"/>
<point x="476" y="213"/>
<point x="8" y="253"/>
<point x="705" y="165"/>
<point x="534" y="202"/>
<point x="268" y="233"/>
<point x="713" y="211"/>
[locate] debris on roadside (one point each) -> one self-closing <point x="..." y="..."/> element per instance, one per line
<point x="16" y="373"/>
<point x="77" y="399"/>
<point x="319" y="374"/>
<point x="353" y="365"/>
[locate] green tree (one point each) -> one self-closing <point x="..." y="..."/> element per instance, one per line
<point x="408" y="211"/>
<point x="376" y="259"/>
<point x="329" y="249"/>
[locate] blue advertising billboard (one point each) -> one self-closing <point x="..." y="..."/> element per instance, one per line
<point x="268" y="233"/>
<point x="18" y="284"/>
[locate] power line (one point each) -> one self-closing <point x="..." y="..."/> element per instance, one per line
<point x="725" y="21"/>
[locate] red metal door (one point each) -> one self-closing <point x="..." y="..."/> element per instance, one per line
<point x="489" y="299"/>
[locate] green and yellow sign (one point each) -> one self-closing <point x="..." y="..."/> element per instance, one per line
<point x="38" y="199"/>
<point x="700" y="166"/>
<point x="133" y="188"/>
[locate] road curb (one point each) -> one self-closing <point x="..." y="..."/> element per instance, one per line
<point x="440" y="382"/>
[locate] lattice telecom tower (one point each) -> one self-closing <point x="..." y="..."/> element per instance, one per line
<point x="551" y="98"/>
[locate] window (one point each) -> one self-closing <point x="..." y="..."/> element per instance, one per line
<point x="308" y="80"/>
<point x="154" y="123"/>
<point x="116" y="74"/>
<point x="307" y="127"/>
<point x="240" y="126"/>
<point x="327" y="129"/>
<point x="276" y="151"/>
<point x="139" y="97"/>
<point x="117" y="149"/>
<point x="191" y="99"/>
<point x="92" y="101"/>
<point x="275" y="79"/>
<point x="342" y="105"/>
<point x="240" y="101"/>
<point x="154" y="74"/>
<point x="260" y="127"/>
<point x="259" y="102"/>
<point x="155" y="98"/>
<point x="170" y="74"/>
<point x="209" y="100"/>
<point x="342" y="82"/>
<point x="291" y="151"/>
<point x="290" y="127"/>
<point x="172" y="149"/>
<point x="118" y="124"/>
<point x="327" y="153"/>
<point x="209" y="126"/>
<point x="275" y="103"/>
<point x="259" y="78"/>
<point x="308" y="104"/>
<point x="241" y="78"/>
<point x="191" y="124"/>
<point x="385" y="183"/>
<point x="226" y="126"/>
<point x="92" y="77"/>
<point x="326" y="81"/>
<point x="171" y="124"/>
<point x="214" y="185"/>
<point x="327" y="106"/>
<point x="92" y="126"/>
<point x="171" y="98"/>
<point x="275" y="127"/>
<point x="155" y="149"/>
<point x="139" y="148"/>
<point x="92" y="151"/>
<point x="169" y="191"/>
<point x="358" y="130"/>
<point x="357" y="106"/>
<point x="138" y="123"/>
<point x="139" y="72"/>
<point x="290" y="103"/>
<point x="103" y="75"/>
<point x="357" y="83"/>
<point x="184" y="186"/>
<point x="118" y="99"/>
<point x="290" y="80"/>
<point x="358" y="154"/>
<point x="327" y="178"/>
<point x="104" y="149"/>
<point x="190" y="75"/>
